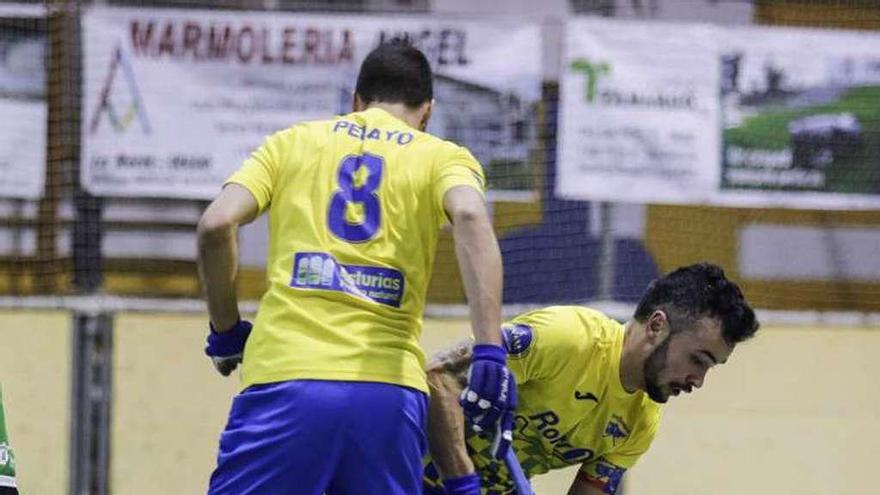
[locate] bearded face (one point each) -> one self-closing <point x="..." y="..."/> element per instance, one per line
<point x="679" y="363"/>
<point x="653" y="367"/>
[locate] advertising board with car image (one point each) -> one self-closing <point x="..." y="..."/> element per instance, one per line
<point x="684" y="113"/>
<point x="801" y="113"/>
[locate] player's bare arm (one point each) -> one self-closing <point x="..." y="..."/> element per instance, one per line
<point x="490" y="396"/>
<point x="453" y="363"/>
<point x="218" y="251"/>
<point x="582" y="487"/>
<point x="479" y="260"/>
<point x="447" y="377"/>
<point x="600" y="477"/>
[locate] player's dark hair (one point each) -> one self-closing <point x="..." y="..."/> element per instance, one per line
<point x="396" y="72"/>
<point x="697" y="291"/>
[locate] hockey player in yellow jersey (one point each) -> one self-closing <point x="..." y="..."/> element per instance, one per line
<point x="590" y="388"/>
<point x="335" y="393"/>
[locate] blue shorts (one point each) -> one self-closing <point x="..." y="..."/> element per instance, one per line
<point x="311" y="437"/>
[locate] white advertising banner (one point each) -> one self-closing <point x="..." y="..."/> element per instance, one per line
<point x="175" y="100"/>
<point x="22" y="102"/>
<point x="639" y="112"/>
<point x="800" y="118"/>
<point x="742" y="116"/>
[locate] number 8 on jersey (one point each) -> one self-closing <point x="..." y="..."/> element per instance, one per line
<point x="364" y="194"/>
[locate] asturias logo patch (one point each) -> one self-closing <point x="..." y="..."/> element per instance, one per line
<point x="517" y="338"/>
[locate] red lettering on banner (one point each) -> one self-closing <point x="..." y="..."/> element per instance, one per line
<point x="267" y="55"/>
<point x="166" y="44"/>
<point x="141" y="37"/>
<point x="446" y="46"/>
<point x="246" y="44"/>
<point x="219" y="40"/>
<point x="287" y="45"/>
<point x="312" y="39"/>
<point x="191" y="34"/>
<point x="240" y="43"/>
<point x="346" y="53"/>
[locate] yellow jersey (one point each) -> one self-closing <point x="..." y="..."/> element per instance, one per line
<point x="355" y="206"/>
<point x="573" y="408"/>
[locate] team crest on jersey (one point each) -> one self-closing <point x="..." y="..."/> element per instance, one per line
<point x="616" y="429"/>
<point x="517" y="338"/>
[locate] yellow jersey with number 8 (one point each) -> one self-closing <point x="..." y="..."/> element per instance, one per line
<point x="355" y="207"/>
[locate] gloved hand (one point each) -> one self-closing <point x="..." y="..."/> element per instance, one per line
<point x="489" y="400"/>
<point x="226" y="348"/>
<point x="468" y="484"/>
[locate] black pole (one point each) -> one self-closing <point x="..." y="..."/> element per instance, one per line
<point x="91" y="403"/>
<point x="92" y="342"/>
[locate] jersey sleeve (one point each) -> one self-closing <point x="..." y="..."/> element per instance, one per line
<point x="637" y="444"/>
<point x="602" y="474"/>
<point x="259" y="172"/>
<point x="459" y="169"/>
<point x="540" y="343"/>
<point x="606" y="472"/>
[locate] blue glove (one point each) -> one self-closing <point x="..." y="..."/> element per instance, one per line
<point x="489" y="400"/>
<point x="468" y="484"/>
<point x="225" y="348"/>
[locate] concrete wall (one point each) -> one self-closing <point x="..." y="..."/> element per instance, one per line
<point x="795" y="411"/>
<point x="35" y="377"/>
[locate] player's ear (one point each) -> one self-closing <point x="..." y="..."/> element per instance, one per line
<point x="357" y="103"/>
<point x="657" y="327"/>
<point x="425" y="109"/>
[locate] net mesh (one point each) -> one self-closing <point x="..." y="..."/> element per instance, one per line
<point x="106" y="257"/>
<point x="62" y="240"/>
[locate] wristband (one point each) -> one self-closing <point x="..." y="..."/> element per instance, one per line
<point x="468" y="484"/>
<point x="229" y="342"/>
<point x="490" y="352"/>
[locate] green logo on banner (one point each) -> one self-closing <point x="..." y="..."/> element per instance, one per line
<point x="593" y="71"/>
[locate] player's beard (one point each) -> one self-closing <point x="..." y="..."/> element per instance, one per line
<point x="654" y="365"/>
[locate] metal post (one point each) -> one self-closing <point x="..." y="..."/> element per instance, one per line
<point x="92" y="343"/>
<point x="92" y="378"/>
<point x="92" y="359"/>
<point x="607" y="256"/>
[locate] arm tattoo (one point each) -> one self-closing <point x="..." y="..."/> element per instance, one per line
<point x="456" y="360"/>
